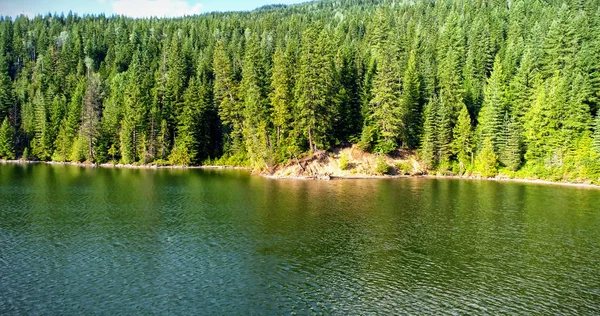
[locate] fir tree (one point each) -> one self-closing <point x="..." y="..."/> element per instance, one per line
<point x="411" y="87"/>
<point x="491" y="118"/>
<point x="226" y="96"/>
<point x="282" y="95"/>
<point x="429" y="138"/>
<point x="7" y="99"/>
<point x="462" y="145"/>
<point x="257" y="114"/>
<point x="7" y="150"/>
<point x="313" y="88"/>
<point x="91" y="114"/>
<point x="512" y="154"/>
<point x="596" y="138"/>
<point x="386" y="111"/>
<point x="185" y="148"/>
<point x="486" y="163"/>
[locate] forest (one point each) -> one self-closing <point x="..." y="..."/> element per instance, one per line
<point x="471" y="86"/>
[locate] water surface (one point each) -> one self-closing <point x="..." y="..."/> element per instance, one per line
<point x="116" y="241"/>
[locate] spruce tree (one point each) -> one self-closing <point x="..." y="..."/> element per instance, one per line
<point x="226" y="97"/>
<point x="281" y="96"/>
<point x="348" y="118"/>
<point x="596" y="137"/>
<point x="7" y="150"/>
<point x="91" y="114"/>
<point x="257" y="114"/>
<point x="429" y="138"/>
<point x="462" y="144"/>
<point x="185" y="148"/>
<point x="313" y="88"/>
<point x="512" y="154"/>
<point x="386" y="112"/>
<point x="411" y="98"/>
<point x="41" y="142"/>
<point x="491" y="117"/>
<point x="486" y="163"/>
<point x="444" y="129"/>
<point x="7" y="98"/>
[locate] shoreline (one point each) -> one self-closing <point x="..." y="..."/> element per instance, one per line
<point x="470" y="178"/>
<point x="313" y="178"/>
<point x="118" y="166"/>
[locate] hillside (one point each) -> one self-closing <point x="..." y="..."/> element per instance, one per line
<point x="465" y="86"/>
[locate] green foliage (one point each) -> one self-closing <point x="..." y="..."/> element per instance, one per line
<point x="244" y="90"/>
<point x="411" y="103"/>
<point x="486" y="164"/>
<point x="25" y="155"/>
<point x="429" y="140"/>
<point x="344" y="162"/>
<point x="462" y="145"/>
<point x="596" y="138"/>
<point x="405" y="168"/>
<point x="512" y="153"/>
<point x="386" y="111"/>
<point x="491" y="117"/>
<point x="314" y="82"/>
<point x="382" y="167"/>
<point x="7" y="150"/>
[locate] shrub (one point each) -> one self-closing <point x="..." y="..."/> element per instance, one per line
<point x="382" y="167"/>
<point x="404" y="168"/>
<point x="344" y="164"/>
<point x="444" y="168"/>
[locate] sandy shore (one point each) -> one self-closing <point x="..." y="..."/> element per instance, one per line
<point x="498" y="179"/>
<point x="321" y="177"/>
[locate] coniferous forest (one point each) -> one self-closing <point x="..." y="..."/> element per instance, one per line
<point x="473" y="85"/>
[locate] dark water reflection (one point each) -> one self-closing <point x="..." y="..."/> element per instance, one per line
<point x="111" y="241"/>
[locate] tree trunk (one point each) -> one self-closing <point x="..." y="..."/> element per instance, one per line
<point x="310" y="141"/>
<point x="278" y="134"/>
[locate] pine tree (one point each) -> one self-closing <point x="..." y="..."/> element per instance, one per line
<point x="41" y="142"/>
<point x="491" y="118"/>
<point x="429" y="138"/>
<point x="91" y="114"/>
<point x="226" y="97"/>
<point x="282" y="93"/>
<point x="462" y="145"/>
<point x="386" y="111"/>
<point x="411" y="89"/>
<point x="486" y="163"/>
<point x="313" y="88"/>
<point x="444" y="129"/>
<point x="543" y="119"/>
<point x="596" y="138"/>
<point x="7" y="99"/>
<point x="560" y="42"/>
<point x="348" y="118"/>
<point x="512" y="154"/>
<point x="7" y="150"/>
<point x="135" y="105"/>
<point x="520" y="88"/>
<point x="185" y="148"/>
<point x="176" y="79"/>
<point x="257" y="114"/>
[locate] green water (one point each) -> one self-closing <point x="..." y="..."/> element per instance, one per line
<point x="111" y="241"/>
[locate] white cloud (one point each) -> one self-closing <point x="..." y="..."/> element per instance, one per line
<point x="155" y="8"/>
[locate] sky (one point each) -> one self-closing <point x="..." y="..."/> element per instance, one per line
<point x="132" y="8"/>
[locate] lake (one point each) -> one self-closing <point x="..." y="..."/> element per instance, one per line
<point x="120" y="241"/>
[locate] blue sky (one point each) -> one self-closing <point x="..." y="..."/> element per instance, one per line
<point x="133" y="8"/>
